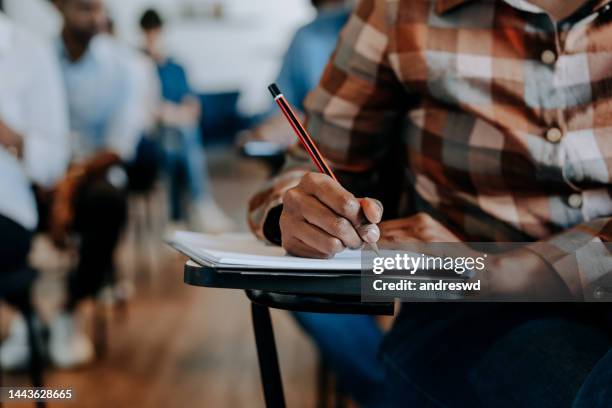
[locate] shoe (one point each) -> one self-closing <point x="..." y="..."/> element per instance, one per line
<point x="69" y="347"/>
<point x="15" y="350"/>
<point x="208" y="217"/>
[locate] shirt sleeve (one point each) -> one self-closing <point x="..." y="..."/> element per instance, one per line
<point x="582" y="257"/>
<point x="183" y="83"/>
<point x="46" y="151"/>
<point x="289" y="79"/>
<point x="353" y="114"/>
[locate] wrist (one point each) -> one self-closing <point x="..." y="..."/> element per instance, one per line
<point x="12" y="141"/>
<point x="523" y="274"/>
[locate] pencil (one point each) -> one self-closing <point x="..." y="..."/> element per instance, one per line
<point x="305" y="139"/>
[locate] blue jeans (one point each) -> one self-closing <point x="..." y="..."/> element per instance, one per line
<point x="493" y="355"/>
<point x="596" y="392"/>
<point x="350" y="344"/>
<point x="185" y="159"/>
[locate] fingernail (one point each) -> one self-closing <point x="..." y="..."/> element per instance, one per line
<point x="378" y="203"/>
<point x="370" y="233"/>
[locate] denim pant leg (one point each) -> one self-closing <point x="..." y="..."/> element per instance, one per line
<point x="539" y="364"/>
<point x="174" y="166"/>
<point x="489" y="355"/>
<point x="596" y="392"/>
<point x="350" y="343"/>
<point x="198" y="180"/>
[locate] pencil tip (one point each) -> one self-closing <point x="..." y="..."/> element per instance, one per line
<point x="374" y="247"/>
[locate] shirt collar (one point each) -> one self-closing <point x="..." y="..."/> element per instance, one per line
<point x="93" y="51"/>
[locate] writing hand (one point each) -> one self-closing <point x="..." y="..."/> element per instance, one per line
<point x="320" y="218"/>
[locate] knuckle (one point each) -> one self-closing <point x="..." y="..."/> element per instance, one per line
<point x="341" y="226"/>
<point x="311" y="178"/>
<point x="335" y="245"/>
<point x="423" y="217"/>
<point x="290" y="198"/>
<point x="349" y="206"/>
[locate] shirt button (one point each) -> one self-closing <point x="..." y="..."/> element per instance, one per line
<point x="575" y="200"/>
<point x="554" y="135"/>
<point x="548" y="57"/>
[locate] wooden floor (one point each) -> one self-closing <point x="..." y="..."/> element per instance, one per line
<point x="180" y="346"/>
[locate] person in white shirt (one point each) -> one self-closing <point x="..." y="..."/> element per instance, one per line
<point x="107" y="121"/>
<point x="33" y="150"/>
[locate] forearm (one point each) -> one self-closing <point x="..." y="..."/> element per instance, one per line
<point x="184" y="114"/>
<point x="521" y="273"/>
<point x="11" y="140"/>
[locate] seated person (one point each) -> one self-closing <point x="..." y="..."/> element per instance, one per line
<point x="143" y="169"/>
<point x="480" y="104"/>
<point x="33" y="149"/>
<point x="178" y="117"/>
<point x="106" y="122"/>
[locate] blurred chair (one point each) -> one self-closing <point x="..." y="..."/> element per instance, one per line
<point x="15" y="287"/>
<point x="147" y="211"/>
<point x="272" y="154"/>
<point x="221" y="120"/>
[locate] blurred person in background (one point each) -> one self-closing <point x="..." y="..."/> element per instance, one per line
<point x="178" y="116"/>
<point x="33" y="150"/>
<point x="144" y="167"/>
<point x="107" y="120"/>
<point x="301" y="69"/>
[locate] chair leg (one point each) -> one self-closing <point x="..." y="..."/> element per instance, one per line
<point x="36" y="360"/>
<point x="268" y="358"/>
<point x="323" y="378"/>
<point x="100" y="330"/>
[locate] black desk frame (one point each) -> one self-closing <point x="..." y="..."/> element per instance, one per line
<point x="319" y="293"/>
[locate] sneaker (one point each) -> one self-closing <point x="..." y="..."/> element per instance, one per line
<point x="15" y="350"/>
<point x="69" y="347"/>
<point x="208" y="217"/>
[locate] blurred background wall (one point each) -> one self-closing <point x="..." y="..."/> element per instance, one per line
<point x="226" y="45"/>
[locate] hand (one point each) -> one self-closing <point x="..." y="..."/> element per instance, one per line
<point x="96" y="165"/>
<point x="320" y="218"/>
<point x="62" y="211"/>
<point x="520" y="274"/>
<point x="11" y="140"/>
<point x="418" y="228"/>
<point x="187" y="113"/>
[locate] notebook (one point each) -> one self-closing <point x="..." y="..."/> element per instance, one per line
<point x="244" y="251"/>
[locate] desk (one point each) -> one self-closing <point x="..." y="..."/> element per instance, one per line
<point x="306" y="292"/>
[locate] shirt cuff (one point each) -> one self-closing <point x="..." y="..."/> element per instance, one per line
<point x="581" y="257"/>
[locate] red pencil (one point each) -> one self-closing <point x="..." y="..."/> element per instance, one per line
<point x="305" y="139"/>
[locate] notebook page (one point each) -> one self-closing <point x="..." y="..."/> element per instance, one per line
<point x="244" y="250"/>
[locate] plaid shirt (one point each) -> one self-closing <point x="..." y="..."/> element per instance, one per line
<point x="500" y="117"/>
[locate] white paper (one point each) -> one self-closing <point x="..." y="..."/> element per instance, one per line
<point x="245" y="251"/>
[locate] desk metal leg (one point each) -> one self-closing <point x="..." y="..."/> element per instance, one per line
<point x="268" y="358"/>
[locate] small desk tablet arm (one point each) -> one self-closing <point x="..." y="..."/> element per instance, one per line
<point x="304" y="291"/>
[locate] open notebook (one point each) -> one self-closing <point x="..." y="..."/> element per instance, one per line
<point x="244" y="251"/>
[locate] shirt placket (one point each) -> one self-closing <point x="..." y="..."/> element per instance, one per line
<point x="554" y="132"/>
<point x="577" y="198"/>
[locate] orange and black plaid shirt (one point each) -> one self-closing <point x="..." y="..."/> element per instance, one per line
<point x="499" y="117"/>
